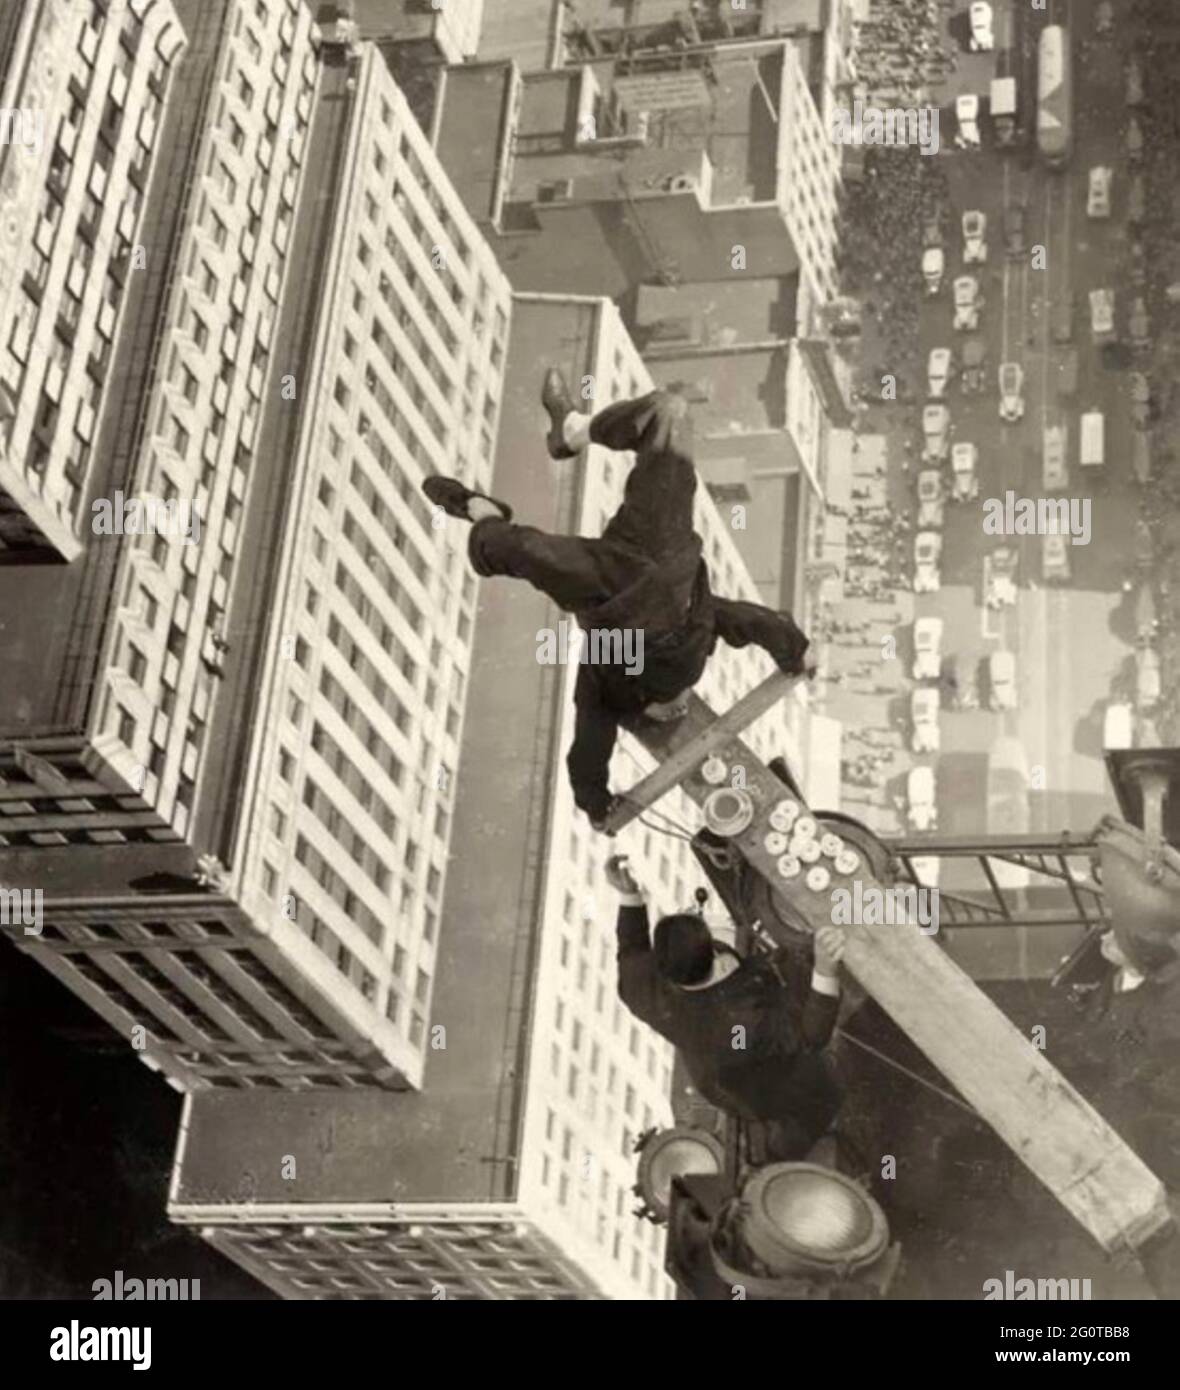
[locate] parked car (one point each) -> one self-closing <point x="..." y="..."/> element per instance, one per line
<point x="927" y="648"/>
<point x="1134" y="83"/>
<point x="982" y="38"/>
<point x="938" y="371"/>
<point x="967" y="116"/>
<point x="932" y="512"/>
<point x="924" y="714"/>
<point x="967" y="304"/>
<point x="1102" y="315"/>
<point x="1011" y="392"/>
<point x="1001" y="586"/>
<point x="1055" y="559"/>
<point x="927" y="554"/>
<point x="974" y="238"/>
<point x="1139" y="325"/>
<point x="964" y="461"/>
<point x="921" y="811"/>
<point x="933" y="264"/>
<point x="1003" y="111"/>
<point x="1055" y="469"/>
<point x="1062" y="318"/>
<point x="929" y="494"/>
<point x="1098" y="195"/>
<point x="1001" y="670"/>
<point x="932" y="229"/>
<point x="936" y="426"/>
<point x="971" y="380"/>
<point x="1014" y="229"/>
<point x="1092" y="448"/>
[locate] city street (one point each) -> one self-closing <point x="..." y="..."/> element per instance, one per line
<point x="1072" y="641"/>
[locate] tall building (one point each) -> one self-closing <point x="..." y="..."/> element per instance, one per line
<point x="232" y="773"/>
<point x="664" y="165"/>
<point x="766" y="403"/>
<point x="81" y="99"/>
<point x="510" y="1174"/>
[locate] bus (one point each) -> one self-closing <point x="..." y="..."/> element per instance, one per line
<point x="1054" y="97"/>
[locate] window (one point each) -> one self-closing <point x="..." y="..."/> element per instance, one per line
<point x="245" y="91"/>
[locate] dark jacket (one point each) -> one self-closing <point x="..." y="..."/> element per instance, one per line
<point x="780" y="1072"/>
<point x="1125" y="1059"/>
<point x="676" y="650"/>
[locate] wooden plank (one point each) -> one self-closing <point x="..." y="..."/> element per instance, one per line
<point x="670" y="771"/>
<point x="1055" y="1132"/>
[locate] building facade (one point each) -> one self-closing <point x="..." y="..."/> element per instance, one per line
<point x="82" y="88"/>
<point x="280" y="736"/>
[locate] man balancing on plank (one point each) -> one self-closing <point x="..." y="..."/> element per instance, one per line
<point x="645" y="573"/>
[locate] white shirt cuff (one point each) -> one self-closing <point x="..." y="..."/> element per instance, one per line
<point x="825" y="984"/>
<point x="631" y="900"/>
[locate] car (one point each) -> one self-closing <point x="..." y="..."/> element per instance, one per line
<point x="974" y="238"/>
<point x="1098" y="194"/>
<point x="967" y="303"/>
<point x="1011" y="392"/>
<point x="1055" y="470"/>
<point x="932" y="514"/>
<point x="924" y="714"/>
<point x="982" y="38"/>
<point x="927" y="649"/>
<point x="938" y="371"/>
<point x="1134" y="86"/>
<point x="964" y="461"/>
<point x="1001" y="670"/>
<point x="921" y="811"/>
<point x="1001" y="568"/>
<point x="936" y="425"/>
<point x="929" y="485"/>
<point x="1102" y="315"/>
<point x="967" y="116"/>
<point x="1139" y="325"/>
<point x="1055" y="559"/>
<point x="1014" y="216"/>
<point x="1133" y="141"/>
<point x="1104" y="17"/>
<point x="1137" y="199"/>
<point x="933" y="264"/>
<point x="932" y="229"/>
<point x="971" y="380"/>
<point x="1061" y="319"/>
<point x="927" y="554"/>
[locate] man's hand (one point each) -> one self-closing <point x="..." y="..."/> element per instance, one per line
<point x="619" y="875"/>
<point x="599" y="822"/>
<point x="829" y="950"/>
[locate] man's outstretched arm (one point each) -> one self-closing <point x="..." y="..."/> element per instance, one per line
<point x="739" y="623"/>
<point x="588" y="762"/>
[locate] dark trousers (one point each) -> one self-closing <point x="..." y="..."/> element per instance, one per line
<point x="653" y="523"/>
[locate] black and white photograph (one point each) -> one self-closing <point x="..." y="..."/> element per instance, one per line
<point x="589" y="681"/>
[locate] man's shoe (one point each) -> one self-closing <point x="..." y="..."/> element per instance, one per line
<point x="558" y="403"/>
<point x="453" y="496"/>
